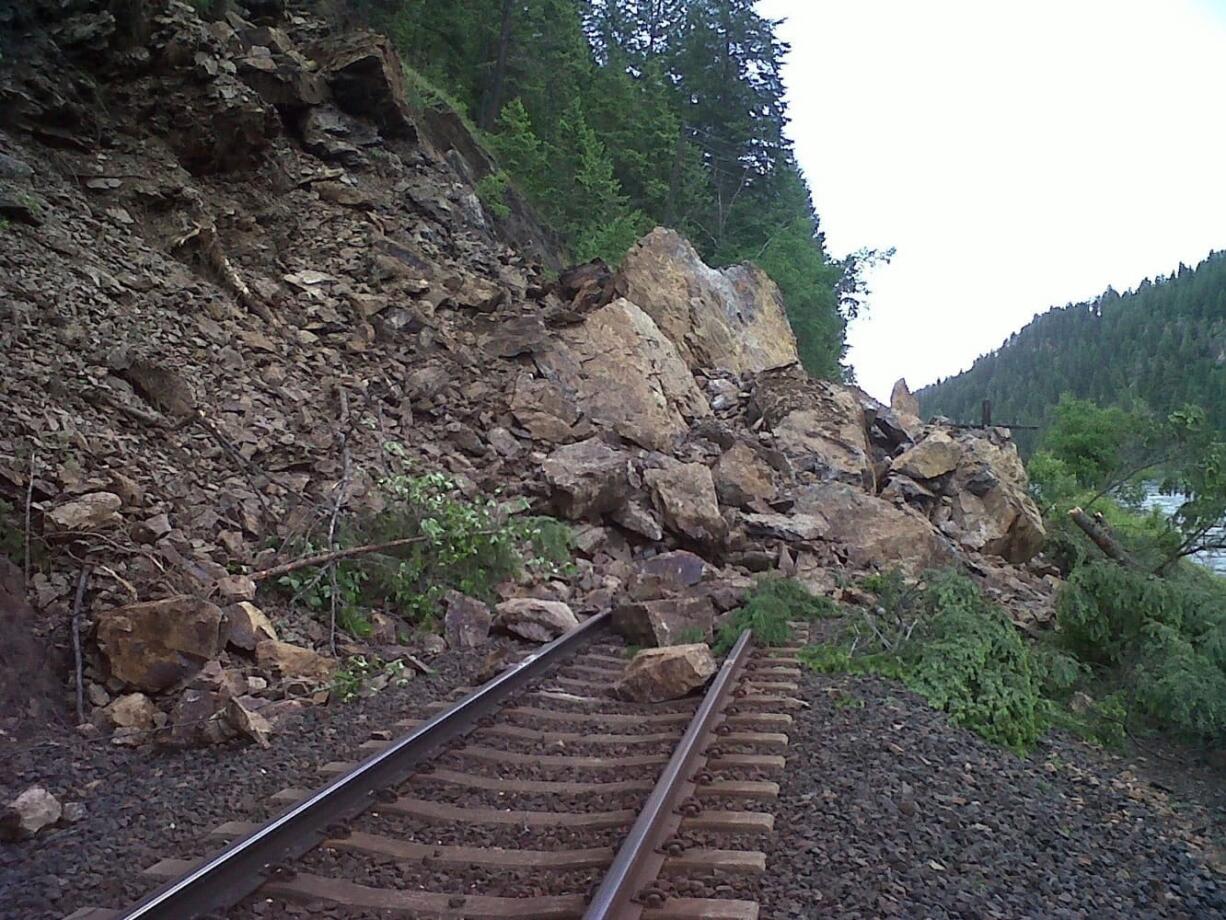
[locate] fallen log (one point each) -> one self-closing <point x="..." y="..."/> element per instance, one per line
<point x="1097" y="530"/>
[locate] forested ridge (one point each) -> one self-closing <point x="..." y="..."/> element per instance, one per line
<point x="1163" y="344"/>
<point x="613" y="116"/>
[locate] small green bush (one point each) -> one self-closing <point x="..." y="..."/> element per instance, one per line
<point x="492" y="191"/>
<point x="767" y="610"/>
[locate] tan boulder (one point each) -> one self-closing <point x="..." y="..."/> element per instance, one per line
<point x="992" y="509"/>
<point x="903" y="401"/>
<point x="931" y="458"/>
<point x="132" y="710"/>
<point x="818" y="425"/>
<point x="873" y="531"/>
<point x="535" y="619"/>
<point x="234" y="588"/>
<point x="248" y="626"/>
<point x="684" y="494"/>
<point x="626" y="375"/>
<point x="665" y="620"/>
<point x="84" y="513"/>
<point x="155" y="645"/>
<point x="546" y="410"/>
<point x="29" y="813"/>
<point x="730" y="318"/>
<point x="741" y="476"/>
<point x="658" y="674"/>
<point x="290" y="660"/>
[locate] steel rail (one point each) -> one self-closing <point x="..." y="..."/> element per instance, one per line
<point x="638" y="861"/>
<point x="242" y="867"/>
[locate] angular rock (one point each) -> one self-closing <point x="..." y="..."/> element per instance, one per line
<point x="248" y="626"/>
<point x="228" y="129"/>
<point x="732" y="318"/>
<point x="903" y="401"/>
<point x="534" y="619"/>
<point x="294" y="661"/>
<point x="666" y="620"/>
<point x="133" y="711"/>
<point x="819" y="426"/>
<point x="800" y="528"/>
<point x="992" y="510"/>
<point x="155" y="645"/>
<point x="587" y="479"/>
<point x="931" y="458"/>
<point x="29" y="813"/>
<point x="545" y="409"/>
<point x="85" y="513"/>
<point x="741" y="477"/>
<point x="196" y="718"/>
<point x="658" y="674"/>
<point x="626" y="375"/>
<point x="330" y="134"/>
<point x="872" y="531"/>
<point x="466" y="622"/>
<point x="248" y="721"/>
<point x="282" y="79"/>
<point x="684" y="494"/>
<point x="679" y="567"/>
<point x="367" y="79"/>
<point x="637" y="519"/>
<point x="234" y="589"/>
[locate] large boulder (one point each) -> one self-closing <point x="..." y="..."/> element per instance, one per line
<point x="931" y="458"/>
<point x="294" y="661"/>
<point x="547" y="410"/>
<point x="819" y="426"/>
<point x="732" y="318"/>
<point x="742" y="477"/>
<point x="992" y="509"/>
<point x="587" y="479"/>
<point x="92" y="511"/>
<point x="903" y="401"/>
<point x="873" y="531"/>
<point x="666" y="620"/>
<point x="248" y="625"/>
<point x="658" y="674"/>
<point x="155" y="645"/>
<point x="684" y="494"/>
<point x="535" y="619"/>
<point x="626" y="375"/>
<point x="366" y="77"/>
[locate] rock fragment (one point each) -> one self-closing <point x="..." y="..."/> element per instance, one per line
<point x="658" y="674"/>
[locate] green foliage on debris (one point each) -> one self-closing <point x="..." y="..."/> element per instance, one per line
<point x="362" y="676"/>
<point x="945" y="641"/>
<point x="460" y="543"/>
<point x="771" y="604"/>
<point x="492" y="191"/>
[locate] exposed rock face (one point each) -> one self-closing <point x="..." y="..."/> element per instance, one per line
<point x="535" y="619"/>
<point x="29" y="813"/>
<point x="467" y="622"/>
<point x="873" y="531"/>
<point x="684" y="494"/>
<point x="157" y="644"/>
<point x="367" y="79"/>
<point x="732" y="319"/>
<point x="626" y="375"/>
<point x="663" y="621"/>
<point x="658" y="674"/>
<point x="818" y="425"/>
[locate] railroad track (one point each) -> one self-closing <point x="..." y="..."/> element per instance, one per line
<point x="536" y="796"/>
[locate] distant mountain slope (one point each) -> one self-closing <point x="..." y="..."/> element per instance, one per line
<point x="1165" y="343"/>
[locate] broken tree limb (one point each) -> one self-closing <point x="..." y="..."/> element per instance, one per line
<point x="206" y="238"/>
<point x="1098" y="532"/>
<point x="77" y="658"/>
<point x="307" y="562"/>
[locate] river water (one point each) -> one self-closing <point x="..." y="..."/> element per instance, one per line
<point x="1168" y="504"/>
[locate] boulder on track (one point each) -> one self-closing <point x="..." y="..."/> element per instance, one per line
<point x="535" y="619"/>
<point x="658" y="674"/>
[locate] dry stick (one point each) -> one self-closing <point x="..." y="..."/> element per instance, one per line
<point x="341" y="488"/>
<point x="77" y="659"/>
<point x="326" y="558"/>
<point x="29" y="502"/>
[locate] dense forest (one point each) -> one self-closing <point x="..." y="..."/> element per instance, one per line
<point x="1163" y="344"/>
<point x="613" y="116"/>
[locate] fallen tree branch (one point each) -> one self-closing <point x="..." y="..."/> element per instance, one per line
<point x="1100" y="534"/>
<point x="342" y="489"/>
<point x="325" y="558"/>
<point x="205" y="237"/>
<point x="29" y="504"/>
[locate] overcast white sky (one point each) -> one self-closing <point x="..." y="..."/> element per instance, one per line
<point x="1018" y="155"/>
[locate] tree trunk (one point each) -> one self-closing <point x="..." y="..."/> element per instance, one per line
<point x="493" y="98"/>
<point x="1098" y="532"/>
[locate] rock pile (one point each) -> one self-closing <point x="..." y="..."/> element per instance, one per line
<point x="242" y="256"/>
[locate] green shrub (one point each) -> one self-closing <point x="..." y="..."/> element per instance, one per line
<point x="946" y="642"/>
<point x="770" y="605"/>
<point x="491" y="191"/>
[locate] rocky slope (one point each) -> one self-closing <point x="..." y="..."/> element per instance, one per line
<point x="239" y="263"/>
